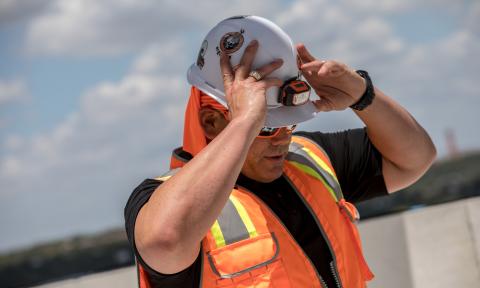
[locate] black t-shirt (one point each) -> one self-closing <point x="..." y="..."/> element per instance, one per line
<point x="358" y="166"/>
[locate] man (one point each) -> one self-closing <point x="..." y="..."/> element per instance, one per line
<point x="258" y="207"/>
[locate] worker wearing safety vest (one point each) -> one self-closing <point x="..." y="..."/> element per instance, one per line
<point x="246" y="203"/>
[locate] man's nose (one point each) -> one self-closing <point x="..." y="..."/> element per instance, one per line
<point x="282" y="138"/>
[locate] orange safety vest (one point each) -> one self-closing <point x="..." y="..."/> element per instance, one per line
<point x="248" y="245"/>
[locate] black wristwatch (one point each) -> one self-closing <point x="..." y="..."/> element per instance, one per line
<point x="367" y="97"/>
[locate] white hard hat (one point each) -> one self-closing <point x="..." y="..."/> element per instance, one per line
<point x="231" y="36"/>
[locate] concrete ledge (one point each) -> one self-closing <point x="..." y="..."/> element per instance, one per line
<point x="120" y="278"/>
<point x="432" y="247"/>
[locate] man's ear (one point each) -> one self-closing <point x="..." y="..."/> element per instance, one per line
<point x="212" y="122"/>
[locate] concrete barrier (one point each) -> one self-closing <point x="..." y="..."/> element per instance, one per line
<point x="431" y="247"/>
<point x="119" y="278"/>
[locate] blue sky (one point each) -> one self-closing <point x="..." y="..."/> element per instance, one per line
<point x="92" y="92"/>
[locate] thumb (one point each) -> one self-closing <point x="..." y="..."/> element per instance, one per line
<point x="304" y="53"/>
<point x="314" y="66"/>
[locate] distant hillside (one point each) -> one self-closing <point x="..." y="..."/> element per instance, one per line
<point x="445" y="181"/>
<point x="65" y="259"/>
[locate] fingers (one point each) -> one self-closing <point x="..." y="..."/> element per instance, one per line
<point x="242" y="70"/>
<point x="324" y="68"/>
<point x="304" y="53"/>
<point x="270" y="82"/>
<point x="313" y="66"/>
<point x="227" y="71"/>
<point x="247" y="60"/>
<point x="269" y="68"/>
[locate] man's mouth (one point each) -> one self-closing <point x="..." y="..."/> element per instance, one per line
<point x="276" y="157"/>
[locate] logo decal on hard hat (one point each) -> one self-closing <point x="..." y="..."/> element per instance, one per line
<point x="231" y="42"/>
<point x="285" y="106"/>
<point x="201" y="53"/>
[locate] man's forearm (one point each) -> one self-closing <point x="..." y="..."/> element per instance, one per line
<point x="184" y="207"/>
<point x="406" y="148"/>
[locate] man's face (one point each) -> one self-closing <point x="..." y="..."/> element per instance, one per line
<point x="265" y="158"/>
<point x="264" y="162"/>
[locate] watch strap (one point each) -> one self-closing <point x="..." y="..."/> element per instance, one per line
<point x="368" y="96"/>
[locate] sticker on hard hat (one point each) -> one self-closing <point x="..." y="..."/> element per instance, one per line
<point x="294" y="92"/>
<point x="231" y="42"/>
<point x="201" y="54"/>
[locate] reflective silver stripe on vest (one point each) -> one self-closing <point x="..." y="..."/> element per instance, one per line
<point x="314" y="144"/>
<point x="171" y="172"/>
<point x="231" y="224"/>
<point x="297" y="154"/>
<point x="166" y="176"/>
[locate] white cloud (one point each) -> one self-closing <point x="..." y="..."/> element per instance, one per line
<point x="164" y="58"/>
<point x="439" y="84"/>
<point x="333" y="31"/>
<point x="472" y="21"/>
<point x="389" y="7"/>
<point x="13" y="143"/>
<point x="124" y="131"/>
<point x="112" y="27"/>
<point x="13" y="90"/>
<point x="432" y="80"/>
<point x="15" y="11"/>
<point x="90" y="161"/>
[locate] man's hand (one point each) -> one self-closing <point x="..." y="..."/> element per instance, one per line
<point x="335" y="83"/>
<point x="245" y="95"/>
<point x="406" y="148"/>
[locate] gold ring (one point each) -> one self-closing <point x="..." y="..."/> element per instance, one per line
<point x="255" y="74"/>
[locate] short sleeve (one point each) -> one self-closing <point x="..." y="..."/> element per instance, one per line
<point x="356" y="161"/>
<point x="188" y="277"/>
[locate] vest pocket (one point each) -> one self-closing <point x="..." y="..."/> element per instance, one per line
<point x="249" y="261"/>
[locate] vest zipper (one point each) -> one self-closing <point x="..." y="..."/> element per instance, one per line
<point x="335" y="276"/>
<point x="333" y="264"/>
<point x="322" y="282"/>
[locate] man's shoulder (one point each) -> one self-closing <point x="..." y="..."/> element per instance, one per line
<point x="336" y="142"/>
<point x="319" y="135"/>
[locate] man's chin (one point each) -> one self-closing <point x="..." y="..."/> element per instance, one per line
<point x="271" y="175"/>
<point x="267" y="170"/>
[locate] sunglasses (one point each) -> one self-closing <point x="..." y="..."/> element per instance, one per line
<point x="268" y="132"/>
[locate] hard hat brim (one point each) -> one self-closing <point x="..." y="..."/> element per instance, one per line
<point x="276" y="116"/>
